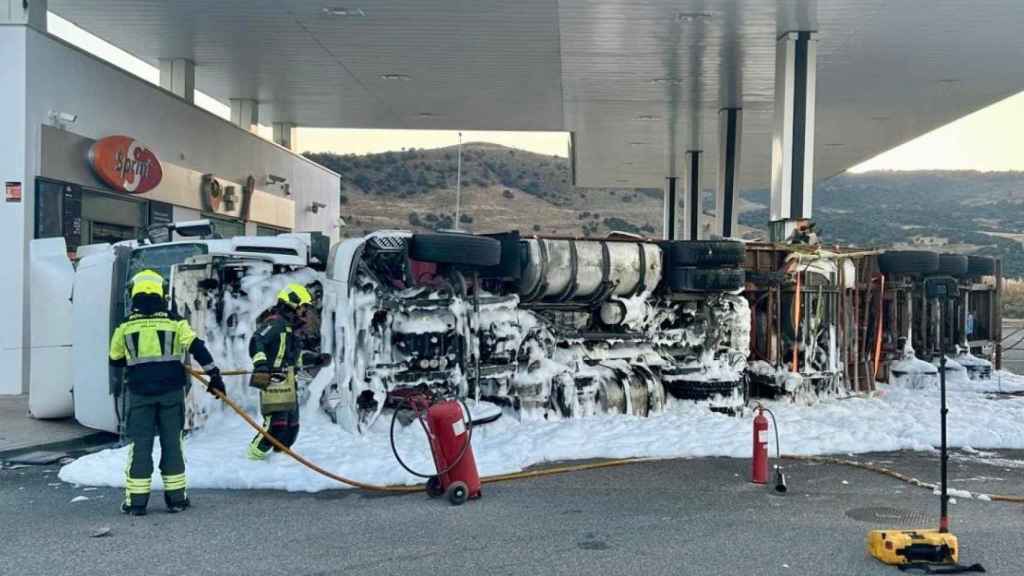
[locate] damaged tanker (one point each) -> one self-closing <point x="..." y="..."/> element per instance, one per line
<point x="542" y="327"/>
<point x="549" y="327"/>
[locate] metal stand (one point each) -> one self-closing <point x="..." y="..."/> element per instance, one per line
<point x="944" y="498"/>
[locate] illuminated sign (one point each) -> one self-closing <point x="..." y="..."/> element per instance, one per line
<point x="125" y="165"/>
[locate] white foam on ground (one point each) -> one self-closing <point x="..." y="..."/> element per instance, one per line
<point x="895" y="418"/>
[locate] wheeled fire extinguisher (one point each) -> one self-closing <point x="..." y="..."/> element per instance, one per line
<point x="449" y="428"/>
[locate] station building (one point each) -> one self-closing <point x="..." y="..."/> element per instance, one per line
<point x="95" y="154"/>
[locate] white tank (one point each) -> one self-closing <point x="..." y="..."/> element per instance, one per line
<point x="557" y="270"/>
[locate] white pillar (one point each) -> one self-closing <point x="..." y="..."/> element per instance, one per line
<point x="178" y="75"/>
<point x="31" y="12"/>
<point x="793" y="133"/>
<point x="16" y="214"/>
<point x="284" y="134"/>
<point x="730" y="121"/>
<point x="245" y="113"/>
<point x="693" y="206"/>
<point x="670" y="216"/>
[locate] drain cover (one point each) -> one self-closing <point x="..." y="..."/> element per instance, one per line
<point x="890" y="516"/>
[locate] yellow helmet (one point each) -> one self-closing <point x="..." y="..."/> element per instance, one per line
<point x="148" y="282"/>
<point x="295" y="295"/>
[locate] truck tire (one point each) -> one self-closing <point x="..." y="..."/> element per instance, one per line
<point x="980" y="266"/>
<point x="703" y="253"/>
<point x="688" y="279"/>
<point x="908" y="262"/>
<point x="952" y="265"/>
<point x="458" y="249"/>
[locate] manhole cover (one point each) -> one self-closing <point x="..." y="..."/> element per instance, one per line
<point x="890" y="516"/>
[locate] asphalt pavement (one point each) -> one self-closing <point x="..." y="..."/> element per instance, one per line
<point x="697" y="516"/>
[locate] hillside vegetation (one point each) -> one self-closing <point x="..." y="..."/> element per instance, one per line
<point x="505" y="188"/>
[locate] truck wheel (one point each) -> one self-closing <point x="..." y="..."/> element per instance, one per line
<point x="459" y="249"/>
<point x="980" y="266"/>
<point x="703" y="253"/>
<point x="688" y="279"/>
<point x="458" y="493"/>
<point x="952" y="265"/>
<point x="908" y="262"/>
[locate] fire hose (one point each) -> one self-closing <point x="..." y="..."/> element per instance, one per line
<point x="547" y="471"/>
<point x="199" y="376"/>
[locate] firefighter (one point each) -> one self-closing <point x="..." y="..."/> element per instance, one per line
<point x="153" y="346"/>
<point x="276" y="352"/>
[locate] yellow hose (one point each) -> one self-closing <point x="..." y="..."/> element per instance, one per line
<point x="545" y="471"/>
<point x="393" y="489"/>
<point x="894" y="474"/>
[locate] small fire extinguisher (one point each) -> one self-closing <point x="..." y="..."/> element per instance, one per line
<point x="759" y="471"/>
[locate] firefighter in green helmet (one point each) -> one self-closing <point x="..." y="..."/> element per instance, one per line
<point x="153" y="346"/>
<point x="276" y="352"/>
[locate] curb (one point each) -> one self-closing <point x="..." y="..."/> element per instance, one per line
<point x="81" y="444"/>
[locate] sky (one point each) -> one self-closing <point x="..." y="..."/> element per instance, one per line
<point x="986" y="140"/>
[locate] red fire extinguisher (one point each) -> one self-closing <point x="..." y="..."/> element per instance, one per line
<point x="449" y="429"/>
<point x="450" y="437"/>
<point x="759" y="471"/>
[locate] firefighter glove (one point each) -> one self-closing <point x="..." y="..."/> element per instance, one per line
<point x="216" y="382"/>
<point x="260" y="380"/>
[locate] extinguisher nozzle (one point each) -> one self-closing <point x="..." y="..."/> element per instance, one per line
<point x="780" y="481"/>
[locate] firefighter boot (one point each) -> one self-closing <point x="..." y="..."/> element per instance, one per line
<point x="127" y="507"/>
<point x="175" y="506"/>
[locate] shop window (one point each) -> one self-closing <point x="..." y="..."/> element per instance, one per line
<point x="225" y="227"/>
<point x="48" y="209"/>
<point x="262" y="230"/>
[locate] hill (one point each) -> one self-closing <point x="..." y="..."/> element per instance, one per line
<point x="505" y="188"/>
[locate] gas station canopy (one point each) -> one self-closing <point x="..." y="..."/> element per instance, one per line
<point x="638" y="82"/>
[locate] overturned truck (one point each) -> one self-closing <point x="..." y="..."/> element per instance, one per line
<point x="548" y="327"/>
<point x="552" y="327"/>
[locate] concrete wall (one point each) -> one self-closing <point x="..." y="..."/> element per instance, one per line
<point x="13" y="221"/>
<point x="41" y="73"/>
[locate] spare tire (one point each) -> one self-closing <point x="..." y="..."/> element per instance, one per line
<point x="703" y="253"/>
<point x="981" y="266"/>
<point x="908" y="262"/>
<point x="458" y="249"/>
<point x="952" y="265"/>
<point x="689" y="279"/>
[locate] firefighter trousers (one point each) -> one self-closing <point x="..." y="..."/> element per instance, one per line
<point x="283" y="426"/>
<point x="149" y="416"/>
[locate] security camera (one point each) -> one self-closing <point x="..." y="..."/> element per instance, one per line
<point x="316" y="206"/>
<point x="275" y="179"/>
<point x="63" y="117"/>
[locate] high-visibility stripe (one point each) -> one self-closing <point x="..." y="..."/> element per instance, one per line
<point x="152" y="359"/>
<point x="129" y="344"/>
<point x="174" y="482"/>
<point x="259" y="357"/>
<point x="254" y="452"/>
<point x="137" y="486"/>
<point x="281" y="347"/>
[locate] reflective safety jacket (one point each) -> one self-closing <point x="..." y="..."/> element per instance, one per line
<point x="154" y="348"/>
<point x="274" y="348"/>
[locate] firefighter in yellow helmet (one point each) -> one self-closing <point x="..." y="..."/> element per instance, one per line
<point x="276" y="352"/>
<point x="153" y="346"/>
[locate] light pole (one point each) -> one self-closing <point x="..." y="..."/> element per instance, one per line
<point x="458" y="186"/>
